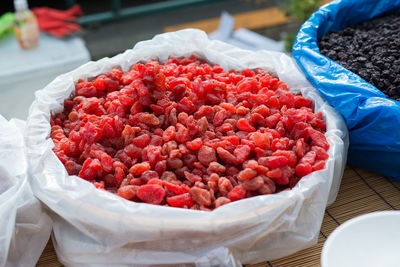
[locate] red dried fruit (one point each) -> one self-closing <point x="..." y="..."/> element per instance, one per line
<point x="156" y="140"/>
<point x="154" y="181"/>
<point x="203" y="125"/>
<point x="303" y="169"/>
<point x="192" y="178"/>
<point x="272" y="120"/>
<point x="149" y="119"/>
<point x="195" y="144"/>
<point x="142" y="140"/>
<point x="183" y="149"/>
<point x="274" y="162"/>
<point x="73" y="116"/>
<point x="148" y="175"/>
<point x="128" y="191"/>
<point x="269" y="186"/>
<point x="233" y="139"/>
<point x="300" y="101"/>
<point x="245" y="125"/>
<point x="320" y="153"/>
<point x="229" y="107"/>
<point x="318" y="165"/>
<point x="226" y="156"/>
<point x="151" y="193"/>
<point x="85" y="89"/>
<point x="182" y="201"/>
<point x="221" y="201"/>
<point x="174" y="163"/>
<point x="161" y="167"/>
<point x="318" y="138"/>
<point x="220" y="116"/>
<point x="175" y="188"/>
<point x="305" y="164"/>
<point x="261" y="140"/>
<point x="169" y="134"/>
<point x="257" y="118"/>
<point x="216" y="167"/>
<point x="175" y="153"/>
<point x="139" y="168"/>
<point x="182" y="135"/>
<point x="133" y="151"/>
<point x="247" y="174"/>
<point x="289" y="154"/>
<point x="262" y="110"/>
<point x="201" y="196"/>
<point x="224" y="186"/>
<point x="89" y="169"/>
<point x="242" y="152"/>
<point x="237" y="193"/>
<point x="166" y="124"/>
<point x="242" y="110"/>
<point x="168" y="176"/>
<point x="206" y="155"/>
<point x="276" y="175"/>
<point x="253" y="184"/>
<point x="72" y="167"/>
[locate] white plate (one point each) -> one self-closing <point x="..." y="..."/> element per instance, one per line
<point x="369" y="240"/>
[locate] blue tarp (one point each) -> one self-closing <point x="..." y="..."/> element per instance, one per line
<point x="372" y="119"/>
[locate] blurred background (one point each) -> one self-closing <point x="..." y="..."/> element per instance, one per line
<point x="73" y="32"/>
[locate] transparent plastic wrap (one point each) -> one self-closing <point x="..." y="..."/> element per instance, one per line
<point x="25" y="228"/>
<point x="96" y="228"/>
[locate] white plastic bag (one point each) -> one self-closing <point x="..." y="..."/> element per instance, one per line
<point x="25" y="228"/>
<point x="96" y="228"/>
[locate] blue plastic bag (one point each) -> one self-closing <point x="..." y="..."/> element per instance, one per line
<point x="372" y="119"/>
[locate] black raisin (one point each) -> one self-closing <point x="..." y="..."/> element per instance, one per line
<point x="369" y="49"/>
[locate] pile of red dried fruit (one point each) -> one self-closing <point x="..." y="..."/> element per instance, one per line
<point x="187" y="134"/>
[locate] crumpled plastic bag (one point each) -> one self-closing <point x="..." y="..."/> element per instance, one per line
<point x="96" y="228"/>
<point x="25" y="228"/>
<point x="372" y="119"/>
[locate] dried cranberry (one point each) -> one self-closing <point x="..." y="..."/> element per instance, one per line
<point x="189" y="135"/>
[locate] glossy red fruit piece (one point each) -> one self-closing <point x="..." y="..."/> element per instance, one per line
<point x="128" y="191"/>
<point x="277" y="161"/>
<point x="201" y="196"/>
<point x="206" y="155"/>
<point x="241" y="153"/>
<point x="226" y="156"/>
<point x="175" y="188"/>
<point x="245" y="125"/>
<point x="221" y="201"/>
<point x="183" y="200"/>
<point x="139" y="168"/>
<point x="253" y="184"/>
<point x="237" y="193"/>
<point x="151" y="193"/>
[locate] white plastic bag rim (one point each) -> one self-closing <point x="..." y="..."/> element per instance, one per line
<point x="22" y="220"/>
<point x="92" y="66"/>
<point x="243" y="214"/>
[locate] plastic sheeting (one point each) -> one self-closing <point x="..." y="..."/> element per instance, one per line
<point x="25" y="228"/>
<point x="243" y="38"/>
<point x="96" y="228"/>
<point x="372" y="119"/>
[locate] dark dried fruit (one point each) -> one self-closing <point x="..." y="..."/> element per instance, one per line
<point x="369" y="49"/>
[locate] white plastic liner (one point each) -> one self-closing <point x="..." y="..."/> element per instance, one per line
<point x="24" y="227"/>
<point x="96" y="228"/>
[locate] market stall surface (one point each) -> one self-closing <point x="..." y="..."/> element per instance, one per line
<point x="361" y="192"/>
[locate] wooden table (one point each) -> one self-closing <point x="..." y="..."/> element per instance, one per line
<point x="361" y="192"/>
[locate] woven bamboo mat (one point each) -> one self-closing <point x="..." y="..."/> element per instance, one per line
<point x="361" y="192"/>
